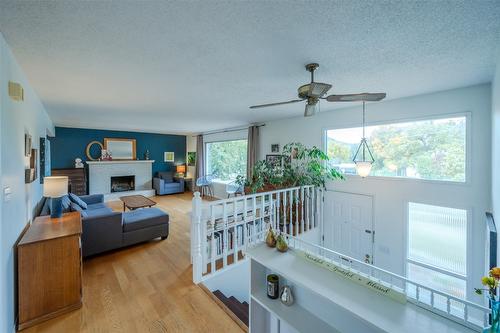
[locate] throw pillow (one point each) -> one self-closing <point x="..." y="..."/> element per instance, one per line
<point x="76" y="199"/>
<point x="76" y="208"/>
<point x="66" y="204"/>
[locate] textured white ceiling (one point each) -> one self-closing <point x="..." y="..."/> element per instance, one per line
<point x="191" y="66"/>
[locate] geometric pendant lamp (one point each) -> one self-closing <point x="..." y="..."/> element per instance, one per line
<point x="363" y="160"/>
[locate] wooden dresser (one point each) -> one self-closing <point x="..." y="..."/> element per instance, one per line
<point x="49" y="269"/>
<point x="77" y="179"/>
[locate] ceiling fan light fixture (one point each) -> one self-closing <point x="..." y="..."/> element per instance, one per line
<point x="310" y="110"/>
<point x="318" y="89"/>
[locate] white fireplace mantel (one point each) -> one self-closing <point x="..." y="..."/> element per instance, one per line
<point x="100" y="173"/>
<point x="119" y="162"/>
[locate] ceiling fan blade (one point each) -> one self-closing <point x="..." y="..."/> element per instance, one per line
<point x="367" y="97"/>
<point x="275" y="104"/>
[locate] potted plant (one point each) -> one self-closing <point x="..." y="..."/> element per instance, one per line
<point x="491" y="282"/>
<point x="300" y="166"/>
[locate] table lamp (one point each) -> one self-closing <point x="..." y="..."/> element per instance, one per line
<point x="55" y="187"/>
<point x="181" y="170"/>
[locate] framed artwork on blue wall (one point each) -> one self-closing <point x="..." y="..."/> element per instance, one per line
<point x="169" y="156"/>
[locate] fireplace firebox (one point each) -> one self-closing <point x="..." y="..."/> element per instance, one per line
<point x="122" y="183"/>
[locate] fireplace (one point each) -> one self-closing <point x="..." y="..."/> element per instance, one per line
<point x="122" y="183"/>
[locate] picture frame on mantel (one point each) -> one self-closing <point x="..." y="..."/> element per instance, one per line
<point x="121" y="149"/>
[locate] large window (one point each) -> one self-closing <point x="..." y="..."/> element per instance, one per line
<point x="428" y="149"/>
<point x="225" y="160"/>
<point x="437" y="247"/>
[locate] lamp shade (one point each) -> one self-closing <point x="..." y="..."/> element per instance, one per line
<point x="55" y="186"/>
<point x="363" y="168"/>
<point x="181" y="168"/>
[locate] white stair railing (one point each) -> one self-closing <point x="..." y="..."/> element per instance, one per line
<point x="464" y="312"/>
<point x="222" y="230"/>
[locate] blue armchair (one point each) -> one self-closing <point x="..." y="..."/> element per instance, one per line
<point x="166" y="183"/>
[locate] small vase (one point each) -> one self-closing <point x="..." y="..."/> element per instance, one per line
<point x="495" y="316"/>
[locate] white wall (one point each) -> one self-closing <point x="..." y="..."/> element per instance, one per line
<point x="233" y="282"/>
<point x="17" y="118"/>
<point x="391" y="195"/>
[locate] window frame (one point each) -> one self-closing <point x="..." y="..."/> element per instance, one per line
<point x="205" y="156"/>
<point x="468" y="248"/>
<point x="468" y="145"/>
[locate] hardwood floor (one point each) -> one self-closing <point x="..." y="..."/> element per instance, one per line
<point x="145" y="288"/>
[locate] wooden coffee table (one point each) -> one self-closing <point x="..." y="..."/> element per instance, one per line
<point x="133" y="202"/>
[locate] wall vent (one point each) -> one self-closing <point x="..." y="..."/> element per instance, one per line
<point x="16" y="91"/>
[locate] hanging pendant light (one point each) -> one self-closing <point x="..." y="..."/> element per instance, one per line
<point x="363" y="165"/>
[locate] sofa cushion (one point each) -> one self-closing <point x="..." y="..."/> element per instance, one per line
<point x="97" y="206"/>
<point x="167" y="176"/>
<point x="76" y="199"/>
<point x="171" y="186"/>
<point x="76" y="208"/>
<point x="143" y="218"/>
<point x="92" y="213"/>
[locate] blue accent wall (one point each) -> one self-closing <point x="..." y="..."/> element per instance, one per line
<point x="70" y="143"/>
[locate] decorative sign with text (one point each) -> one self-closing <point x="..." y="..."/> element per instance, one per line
<point x="363" y="280"/>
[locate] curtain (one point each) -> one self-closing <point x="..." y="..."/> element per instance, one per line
<point x="252" y="149"/>
<point x="200" y="158"/>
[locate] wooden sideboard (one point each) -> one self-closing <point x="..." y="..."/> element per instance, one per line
<point x="77" y="179"/>
<point x="49" y="269"/>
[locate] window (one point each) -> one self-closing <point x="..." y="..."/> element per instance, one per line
<point x="225" y="160"/>
<point x="437" y="247"/>
<point x="428" y="149"/>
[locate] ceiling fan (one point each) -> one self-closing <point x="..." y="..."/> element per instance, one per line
<point x="314" y="91"/>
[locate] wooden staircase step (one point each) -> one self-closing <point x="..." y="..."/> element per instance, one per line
<point x="222" y="301"/>
<point x="238" y="309"/>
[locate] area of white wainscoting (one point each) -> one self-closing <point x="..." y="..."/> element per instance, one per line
<point x="392" y="195"/>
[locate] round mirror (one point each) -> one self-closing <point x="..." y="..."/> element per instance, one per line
<point x="90" y="150"/>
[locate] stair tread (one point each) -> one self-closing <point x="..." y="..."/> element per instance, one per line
<point x="235" y="306"/>
<point x="238" y="309"/>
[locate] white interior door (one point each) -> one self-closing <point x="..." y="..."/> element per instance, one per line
<point x="348" y="224"/>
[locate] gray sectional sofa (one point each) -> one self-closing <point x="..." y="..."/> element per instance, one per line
<point x="104" y="229"/>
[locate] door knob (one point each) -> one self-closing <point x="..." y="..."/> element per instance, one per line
<point x="367" y="259"/>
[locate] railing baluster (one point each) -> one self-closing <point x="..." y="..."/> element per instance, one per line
<point x="302" y="202"/>
<point x="296" y="212"/>
<point x="278" y="207"/>
<point x="262" y="220"/>
<point x="196" y="238"/>
<point x="290" y="215"/>
<point x="245" y="236"/>
<point x="213" y="248"/>
<point x="254" y="218"/>
<point x="235" y="231"/>
<point x="225" y="235"/>
<point x="307" y="209"/>
<point x="285" y="226"/>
